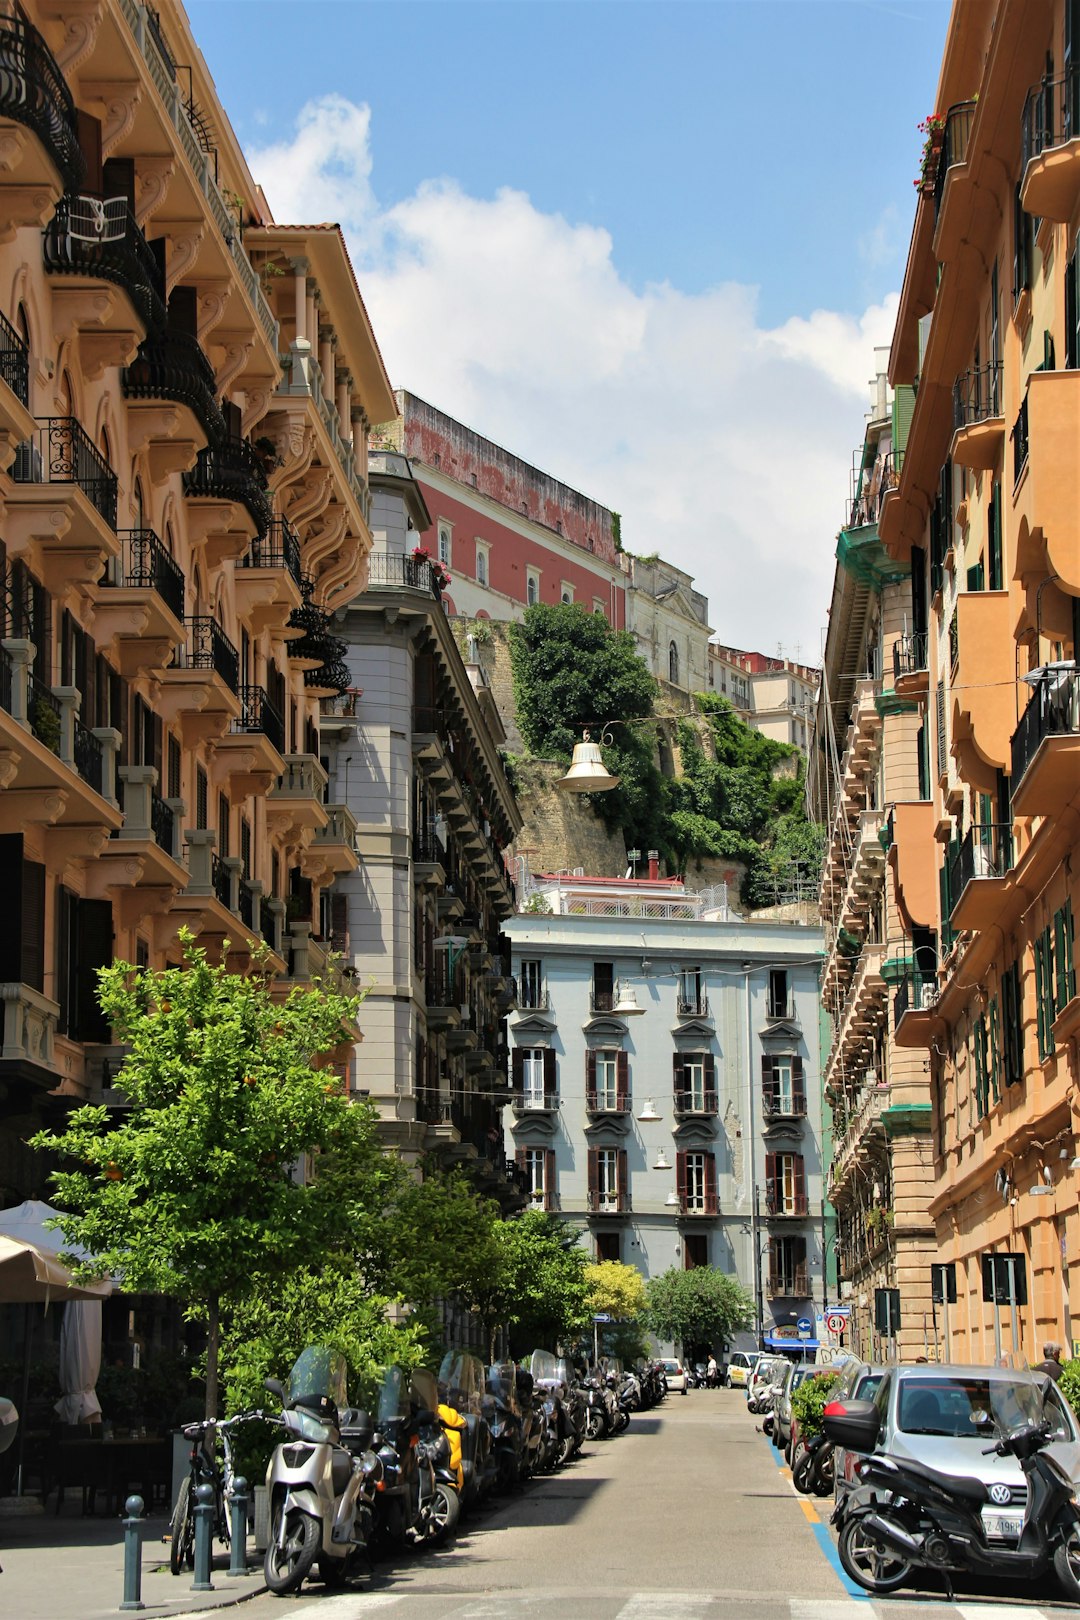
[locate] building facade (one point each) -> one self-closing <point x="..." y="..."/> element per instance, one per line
<point x="984" y="517"/>
<point x="776" y="696"/>
<point x="666" y="1081"/>
<point x="411" y="753"/>
<point x="179" y="519"/>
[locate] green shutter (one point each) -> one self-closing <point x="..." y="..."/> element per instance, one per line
<point x="979" y="1042"/>
<point x="995" y="1049"/>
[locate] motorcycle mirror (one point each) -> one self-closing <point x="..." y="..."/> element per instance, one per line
<point x="275" y="1387"/>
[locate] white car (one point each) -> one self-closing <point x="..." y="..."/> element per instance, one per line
<point x="740" y="1366"/>
<point x="675" y="1374"/>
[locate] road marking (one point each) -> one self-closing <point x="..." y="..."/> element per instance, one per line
<point x="809" y="1509"/>
<point x="666" y="1606"/>
<point x="827" y="1609"/>
<point x="348" y="1605"/>
<point x="996" y="1611"/>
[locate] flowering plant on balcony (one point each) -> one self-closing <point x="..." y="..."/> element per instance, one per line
<point x="933" y="129"/>
<point x="438" y="572"/>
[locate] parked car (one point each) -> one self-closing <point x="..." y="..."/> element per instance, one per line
<point x="740" y="1365"/>
<point x="783" y="1432"/>
<point x="675" y="1373"/>
<point x="936" y="1415"/>
<point x="766" y="1376"/>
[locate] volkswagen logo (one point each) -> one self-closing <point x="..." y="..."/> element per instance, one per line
<point x="1001" y="1494"/>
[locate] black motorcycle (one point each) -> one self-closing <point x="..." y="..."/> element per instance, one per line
<point x="813" y="1471"/>
<point x="904" y="1516"/>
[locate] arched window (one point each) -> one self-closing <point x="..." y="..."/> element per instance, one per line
<point x="673" y="663"/>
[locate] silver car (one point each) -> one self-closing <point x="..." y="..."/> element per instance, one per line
<point x="937" y="1415"/>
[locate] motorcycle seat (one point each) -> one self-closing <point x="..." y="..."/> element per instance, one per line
<point x="969" y="1490"/>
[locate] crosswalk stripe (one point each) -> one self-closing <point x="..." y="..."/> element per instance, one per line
<point x="666" y="1606"/>
<point x="996" y="1611"/>
<point x="828" y="1609"/>
<point x="350" y="1605"/>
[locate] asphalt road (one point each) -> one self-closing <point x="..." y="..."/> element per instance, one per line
<point x="686" y="1517"/>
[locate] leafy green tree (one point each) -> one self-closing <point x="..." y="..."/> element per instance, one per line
<point x="442" y="1242"/>
<point x="191" y="1191"/>
<point x="809" y="1401"/>
<point x="700" y="1306"/>
<point x="545" y="1302"/>
<point x="615" y="1290"/>
<point x="570" y="670"/>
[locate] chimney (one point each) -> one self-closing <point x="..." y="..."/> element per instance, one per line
<point x="654" y="865"/>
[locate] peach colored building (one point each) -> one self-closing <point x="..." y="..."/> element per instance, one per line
<point x="983" y="516"/>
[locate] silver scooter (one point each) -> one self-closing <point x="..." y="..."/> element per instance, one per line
<point x="321" y="1478"/>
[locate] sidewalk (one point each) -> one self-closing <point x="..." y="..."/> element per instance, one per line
<point x="70" y="1567"/>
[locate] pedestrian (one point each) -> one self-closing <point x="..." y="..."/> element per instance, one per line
<point x="710" y="1371"/>
<point x="1051" y="1366"/>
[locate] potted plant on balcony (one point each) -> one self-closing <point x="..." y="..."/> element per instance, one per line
<point x="932" y="129"/>
<point x="439" y="577"/>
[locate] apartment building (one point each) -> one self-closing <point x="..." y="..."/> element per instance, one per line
<point x="984" y="515"/>
<point x="511" y="535"/>
<point x="412" y="755"/>
<point x="775" y="696"/>
<point x="869" y="785"/>
<point x="666" y="1082"/>
<point x="181" y="516"/>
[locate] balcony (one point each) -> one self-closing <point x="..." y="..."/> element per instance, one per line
<point x="230" y="478"/>
<point x="140" y="603"/>
<point x="172" y="366"/>
<point x="910" y="665"/>
<point x="38" y="124"/>
<point x="606" y="1101"/>
<point x="915" y="1009"/>
<point x="250" y="754"/>
<point x="444" y="994"/>
<point x="695" y="1102"/>
<point x="535" y="1100"/>
<point x="269" y="588"/>
<point x="690" y="1003"/>
<point x="62" y="511"/>
<point x="863" y="887"/>
<point x="788" y="1284"/>
<point x="914" y="857"/>
<point x="390" y="568"/>
<point x="978" y="419"/>
<point x="782" y="1009"/>
<point x="779" y="1102"/>
<point x="334" y="844"/>
<point x="699" y="1206"/>
<point x="90" y="240"/>
<point x="201" y="688"/>
<point x="786" y="1206"/>
<point x="300" y="398"/>
<point x="977" y="874"/>
<point x="1046" y="746"/>
<point x="16" y="423"/>
<point x="607" y="1203"/>
<point x="949" y="174"/>
<point x="863" y="1135"/>
<point x="151" y="834"/>
<point x="428" y="858"/>
<point x="533" y="997"/>
<point x="210" y="905"/>
<point x="64" y="773"/>
<point x="984" y="705"/>
<point x="1050" y="155"/>
<point x="29" y="1023"/>
<point x="862" y="1012"/>
<point x="295" y="802"/>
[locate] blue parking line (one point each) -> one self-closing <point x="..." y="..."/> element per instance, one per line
<point x="825" y="1540"/>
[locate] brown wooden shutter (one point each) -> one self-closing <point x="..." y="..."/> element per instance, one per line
<point x="89" y="133"/>
<point x="798" y="1085"/>
<point x="594" y="1177"/>
<point x="710" y="1084"/>
<point x="339" y="922"/>
<point x="549" y="1178"/>
<point x="710" y="1183"/>
<point x="590" y="1079"/>
<point x="32" y="951"/>
<point x="678" y="1081"/>
<point x="800" y="1182"/>
<point x="771" y="1178"/>
<point x="622" y="1183"/>
<point x="622" y="1084"/>
<point x="519" y="1158"/>
<point x="549" y="1077"/>
<point x="680" y="1177"/>
<point x="517" y="1069"/>
<point x="769" y="1089"/>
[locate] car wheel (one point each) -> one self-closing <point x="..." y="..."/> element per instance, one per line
<point x="871" y="1566"/>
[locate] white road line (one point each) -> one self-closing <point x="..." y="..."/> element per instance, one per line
<point x="666" y="1606"/>
<point x="828" y="1609"/>
<point x="350" y="1605"/>
<point x="996" y="1611"/>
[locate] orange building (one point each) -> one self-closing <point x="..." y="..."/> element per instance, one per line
<point x="985" y="519"/>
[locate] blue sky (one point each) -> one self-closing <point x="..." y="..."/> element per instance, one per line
<point x="659" y="188"/>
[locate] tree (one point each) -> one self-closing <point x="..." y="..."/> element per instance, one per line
<point x="545" y="1291"/>
<point x="700" y="1306"/>
<point x="615" y="1290"/>
<point x="442" y="1242"/>
<point x="191" y="1192"/>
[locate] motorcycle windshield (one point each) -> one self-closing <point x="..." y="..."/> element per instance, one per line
<point x="393" y="1394"/>
<point x="461" y="1380"/>
<point x="544" y="1367"/>
<point x="566" y="1371"/>
<point x="502" y="1383"/>
<point x="424" y="1390"/>
<point x="318" y="1375"/>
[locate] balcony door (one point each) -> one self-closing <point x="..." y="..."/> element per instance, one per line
<point x="532" y="1077"/>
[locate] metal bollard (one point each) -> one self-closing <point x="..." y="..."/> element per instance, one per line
<point x="204" y="1538"/>
<point x="133" y="1507"/>
<point x="238" y="1528"/>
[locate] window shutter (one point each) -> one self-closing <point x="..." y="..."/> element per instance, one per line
<point x="549" y="1178"/>
<point x="710" y="1083"/>
<point x="770" y="1177"/>
<point x="594" y="1176"/>
<point x="798" y="1085"/>
<point x="620" y="1167"/>
<point x="32" y="954"/>
<point x="768" y="1085"/>
<point x="590" y="1079"/>
<point x="549" y="1077"/>
<point x="93" y="950"/>
<point x="678" y="1077"/>
<point x="800" y="1182"/>
<point x="680" y="1176"/>
<point x="517" y="1070"/>
<point x="710" y="1183"/>
<point x="623" y="1083"/>
<point x="339" y="922"/>
<point x="519" y="1158"/>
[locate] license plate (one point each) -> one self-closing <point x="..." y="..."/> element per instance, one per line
<point x="1002" y="1526"/>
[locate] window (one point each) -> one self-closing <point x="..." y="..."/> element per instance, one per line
<point x="598" y="606"/>
<point x="603" y="992"/>
<point x="534" y="1077"/>
<point x="1012" y="1018"/>
<point x="1044" y="993"/>
<point x="785" y="1184"/>
<point x="445" y="544"/>
<point x="200" y="797"/>
<point x="607" y="1081"/>
<point x="673" y="663"/>
<point x="531" y="991"/>
<point x="787" y="1267"/>
<point x="783" y="1085"/>
<point x="691" y="994"/>
<point x="1072" y="310"/>
<point x="695" y="1178"/>
<point x="980" y="1036"/>
<point x="539" y="1167"/>
<point x="995" y="568"/>
<point x="695" y="1083"/>
<point x="695" y="1247"/>
<point x="607" y="1180"/>
<point x="481" y="564"/>
<point x="608" y="1246"/>
<point x="566" y="593"/>
<point x="1064" y="957"/>
<point x="532" y="587"/>
<point x="778" y="1004"/>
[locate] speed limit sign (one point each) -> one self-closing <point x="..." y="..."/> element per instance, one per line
<point x="836" y="1321"/>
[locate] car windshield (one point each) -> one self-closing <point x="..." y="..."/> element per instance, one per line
<point x="867" y="1387"/>
<point x="961" y="1407"/>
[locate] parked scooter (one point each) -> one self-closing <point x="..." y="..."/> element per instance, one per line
<point x="414" y="1503"/>
<point x="461" y="1386"/>
<point x="904" y="1516"/>
<point x="813" y="1471"/>
<point x="574" y="1403"/>
<point x="551" y="1388"/>
<point x="505" y="1423"/>
<point x="320" y="1488"/>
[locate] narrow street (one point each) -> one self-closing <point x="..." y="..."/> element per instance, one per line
<point x="686" y="1517"/>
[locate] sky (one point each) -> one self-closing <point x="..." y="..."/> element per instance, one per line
<point x="650" y="248"/>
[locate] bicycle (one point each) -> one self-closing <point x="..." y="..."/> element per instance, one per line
<point x="204" y="1470"/>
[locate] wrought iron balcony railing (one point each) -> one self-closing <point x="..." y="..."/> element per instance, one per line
<point x="779" y="1104"/>
<point x="789" y="1284"/>
<point x="222" y="881"/>
<point x="258" y="714"/>
<point x="977" y="396"/>
<point x="909" y="654"/>
<point x="144" y="564"/>
<point x="100" y="237"/>
<point x="608" y="1203"/>
<point x="692" y="1004"/>
<point x="173" y="365"/>
<point x="1054" y="711"/>
<point x="779" y="1205"/>
<point x="394" y="568"/>
<point x="1051" y="114"/>
<point x="278" y="548"/>
<point x="232" y="471"/>
<point x="704" y="1203"/>
<point x="89" y="756"/>
<point x="986" y="851"/>
<point x="61" y="452"/>
<point x="208" y="647"/>
<point x="14" y="362"/>
<point x="954" y="146"/>
<point x="695" y="1100"/>
<point x="33" y="92"/>
<point x="916" y="992"/>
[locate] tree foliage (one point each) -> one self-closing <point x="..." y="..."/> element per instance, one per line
<point x="615" y="1290"/>
<point x="809" y="1401"/>
<point x="700" y="1306"/>
<point x="190" y="1192"/>
<point x="545" y="1302"/>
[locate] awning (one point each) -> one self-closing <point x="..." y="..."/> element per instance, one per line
<point x="777" y="1342"/>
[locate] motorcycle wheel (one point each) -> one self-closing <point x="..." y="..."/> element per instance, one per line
<point x="1067" y="1563"/>
<point x="802" y="1474"/>
<point x="285" y="1567"/>
<point x="182" y="1531"/>
<point x="871" y="1566"/>
<point x="824" y="1479"/>
<point x="594" y="1426"/>
<point x="622" y="1422"/>
<point x="566" y="1450"/>
<point x="445" y="1512"/>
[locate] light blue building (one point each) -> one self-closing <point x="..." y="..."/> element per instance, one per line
<point x="665" y="1065"/>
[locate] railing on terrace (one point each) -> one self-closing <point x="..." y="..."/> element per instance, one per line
<point x="692" y="1004"/>
<point x="232" y="471"/>
<point x="1019" y="437"/>
<point x="702" y="1203"/>
<point x="986" y="851"/>
<point x="89" y="756"/>
<point x="427" y="847"/>
<point x="789" y="1284"/>
<point x="608" y="1203"/>
<point x="14" y="362"/>
<point x="954" y="146"/>
<point x="909" y="654"/>
<point x="173" y="365"/>
<point x="1054" y="711"/>
<point x="144" y="564"/>
<point x="163" y="823"/>
<point x="61" y="452"/>
<point x="208" y="647"/>
<point x="43" y="712"/>
<point x="695" y="1100"/>
<point x="258" y="714"/>
<point x="1051" y="114"/>
<point x="33" y="92"/>
<point x="779" y="1204"/>
<point x="443" y="988"/>
<point x="100" y="237"/>
<point x="977" y="396"/>
<point x="632" y="906"/>
<point x="780" y="1104"/>
<point x="916" y="992"/>
<point x="395" y="568"/>
<point x="279" y="547"/>
<point x="306" y="376"/>
<point x="221" y="878"/>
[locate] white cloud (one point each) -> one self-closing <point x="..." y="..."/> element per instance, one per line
<point x="724" y="444"/>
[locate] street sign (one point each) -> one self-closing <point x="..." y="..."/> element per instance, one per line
<point x="805" y="1327"/>
<point x="837" y="1320"/>
<point x="603" y="1317"/>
